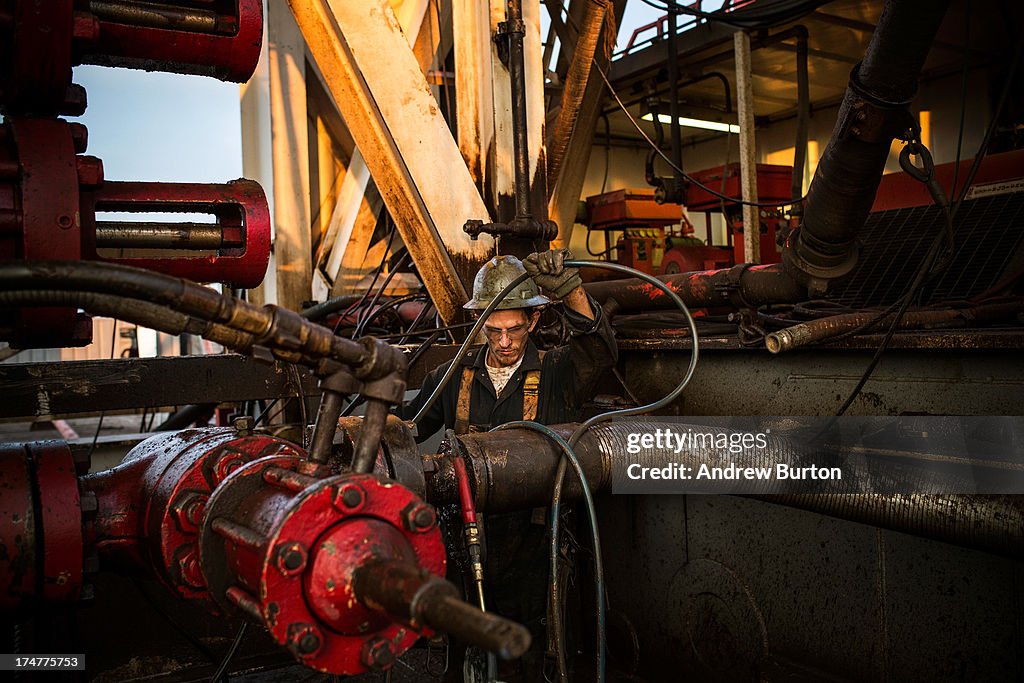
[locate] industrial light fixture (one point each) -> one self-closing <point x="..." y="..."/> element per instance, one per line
<point x="695" y="123"/>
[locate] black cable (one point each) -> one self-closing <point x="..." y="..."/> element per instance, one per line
<point x="376" y="274"/>
<point x="577" y="434"/>
<point x="672" y="165"/>
<point x="325" y="308"/>
<point x="428" y="330"/>
<point x="218" y="675"/>
<point x="417" y="321"/>
<point x="607" y="247"/>
<point x="266" y="411"/>
<point x="361" y="325"/>
<point x="387" y="306"/>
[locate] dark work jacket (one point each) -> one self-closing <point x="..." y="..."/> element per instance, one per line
<point x="567" y="378"/>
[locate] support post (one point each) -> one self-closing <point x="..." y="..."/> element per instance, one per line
<point x="275" y="153"/>
<point x="748" y="148"/>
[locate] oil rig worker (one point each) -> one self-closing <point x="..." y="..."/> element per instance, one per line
<point x="508" y="378"/>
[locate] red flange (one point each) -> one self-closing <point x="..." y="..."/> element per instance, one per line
<point x="41" y="41"/>
<point x="151" y="506"/>
<point x="227" y="48"/>
<point x="39" y="504"/>
<point x="283" y="547"/>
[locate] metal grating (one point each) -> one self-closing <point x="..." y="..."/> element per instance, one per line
<point x="989" y="232"/>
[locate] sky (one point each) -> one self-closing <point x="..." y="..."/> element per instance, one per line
<point x="162" y="127"/>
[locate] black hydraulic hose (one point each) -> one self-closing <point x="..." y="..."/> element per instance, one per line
<point x="144" y="313"/>
<point x="556" y="626"/>
<point x="387" y="306"/>
<point x="361" y="325"/>
<point x="427" y="308"/>
<point x="262" y="324"/>
<point x="577" y="434"/>
<point x="874" y="111"/>
<point x="597" y="419"/>
<point x="322" y="310"/>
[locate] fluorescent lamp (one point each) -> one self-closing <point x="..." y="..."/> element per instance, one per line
<point x="695" y="123"/>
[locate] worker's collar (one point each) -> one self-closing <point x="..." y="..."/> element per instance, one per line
<point x="531" y="358"/>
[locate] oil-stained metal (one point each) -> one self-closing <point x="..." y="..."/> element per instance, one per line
<point x="41" y="389"/>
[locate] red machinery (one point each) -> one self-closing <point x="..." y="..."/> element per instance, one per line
<point x="646" y="246"/>
<point x="343" y="570"/>
<point x="773" y="185"/>
<point x="50" y="192"/>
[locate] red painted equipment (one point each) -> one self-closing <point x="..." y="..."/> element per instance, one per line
<point x="998" y="174"/>
<point x="344" y="570"/>
<point x="644" y="244"/>
<point x="150" y="506"/>
<point x="286" y="548"/>
<point x="41" y="41"/>
<point x="773" y="185"/>
<point x="50" y="192"/>
<point x="40" y="525"/>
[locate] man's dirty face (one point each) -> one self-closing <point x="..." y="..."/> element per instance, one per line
<point x="507" y="333"/>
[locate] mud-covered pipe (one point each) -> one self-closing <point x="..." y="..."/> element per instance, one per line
<point x="737" y="286"/>
<point x="575" y="85"/>
<point x="875" y="109"/>
<point x="515" y="470"/>
<point x="824" y="329"/>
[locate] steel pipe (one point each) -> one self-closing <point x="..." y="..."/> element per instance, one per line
<point x="198" y="236"/>
<point x="514" y="470"/>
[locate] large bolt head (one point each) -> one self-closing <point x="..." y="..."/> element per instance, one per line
<point x="304" y="640"/>
<point x="419" y="518"/>
<point x="349" y="497"/>
<point x="188" y="511"/>
<point x="291" y="558"/>
<point x="244" y="424"/>
<point x="377" y="654"/>
<point x="225" y="465"/>
<point x="189" y="570"/>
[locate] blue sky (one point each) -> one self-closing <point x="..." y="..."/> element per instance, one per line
<point x="162" y="127"/>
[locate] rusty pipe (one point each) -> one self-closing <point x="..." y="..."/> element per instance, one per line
<point x="404" y="592"/>
<point x="737" y="286"/>
<point x="823" y="329"/>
